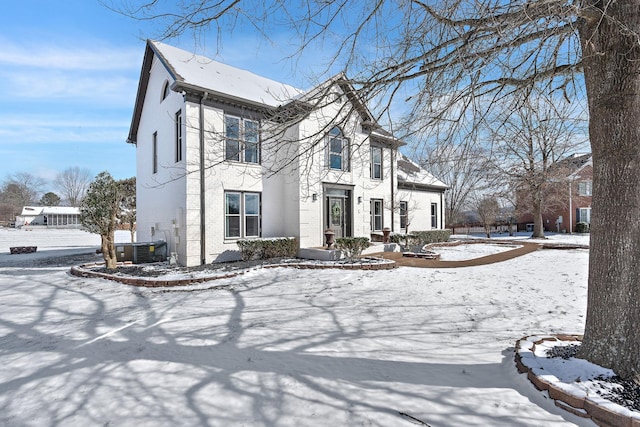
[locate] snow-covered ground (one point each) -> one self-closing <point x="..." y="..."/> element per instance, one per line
<point x="470" y="251"/>
<point x="280" y="347"/>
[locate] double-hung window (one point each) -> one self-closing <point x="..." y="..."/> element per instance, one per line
<point x="404" y="215"/>
<point x="584" y="188"/>
<point x="376" y="162"/>
<point x="179" y="136"/>
<point x="434" y="215"/>
<point x="242" y="140"/>
<point x="376" y="215"/>
<point x="338" y="150"/>
<point x="242" y="215"/>
<point x="584" y="215"/>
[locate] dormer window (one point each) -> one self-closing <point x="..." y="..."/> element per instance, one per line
<point x="165" y="90"/>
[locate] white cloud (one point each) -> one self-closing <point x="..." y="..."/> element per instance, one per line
<point x="69" y="56"/>
<point x="94" y="86"/>
<point x="43" y="129"/>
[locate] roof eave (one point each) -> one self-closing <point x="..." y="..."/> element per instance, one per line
<point x="408" y="185"/>
<point x="141" y="93"/>
<point x="181" y="86"/>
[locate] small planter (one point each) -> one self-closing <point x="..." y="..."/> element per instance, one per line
<point x="386" y="232"/>
<point x="329" y="237"/>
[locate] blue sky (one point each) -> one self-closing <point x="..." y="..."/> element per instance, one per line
<point x="68" y="78"/>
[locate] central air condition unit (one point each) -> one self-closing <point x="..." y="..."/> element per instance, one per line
<point x="124" y="252"/>
<point x="149" y="252"/>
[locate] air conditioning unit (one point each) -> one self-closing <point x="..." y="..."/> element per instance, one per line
<point x="149" y="252"/>
<point x="124" y="252"/>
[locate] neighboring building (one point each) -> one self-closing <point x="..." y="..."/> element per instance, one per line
<point x="49" y="216"/>
<point x="224" y="154"/>
<point x="574" y="192"/>
<point x="421" y="198"/>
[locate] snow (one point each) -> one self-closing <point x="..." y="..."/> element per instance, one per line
<point x="279" y="347"/>
<point x="50" y="242"/>
<point x="209" y="74"/>
<point x="470" y="251"/>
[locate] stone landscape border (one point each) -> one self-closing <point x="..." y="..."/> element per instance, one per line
<point x="85" y="270"/>
<point x="581" y="406"/>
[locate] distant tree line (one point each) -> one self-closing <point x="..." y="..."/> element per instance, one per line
<point x="24" y="189"/>
<point x="112" y="203"/>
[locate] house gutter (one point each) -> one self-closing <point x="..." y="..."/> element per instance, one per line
<point x="179" y="86"/>
<point x="203" y="233"/>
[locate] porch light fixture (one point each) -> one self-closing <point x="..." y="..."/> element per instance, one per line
<point x="314" y="197"/>
<point x="359" y="199"/>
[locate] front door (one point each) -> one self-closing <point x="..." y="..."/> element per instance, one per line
<point x="336" y="216"/>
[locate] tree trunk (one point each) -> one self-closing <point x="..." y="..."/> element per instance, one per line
<point x="611" y="58"/>
<point x="538" y="227"/>
<point x="107" y="244"/>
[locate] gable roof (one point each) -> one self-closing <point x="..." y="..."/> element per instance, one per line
<point x="201" y="75"/>
<point x="571" y="166"/>
<point x="215" y="77"/>
<point x="413" y="177"/>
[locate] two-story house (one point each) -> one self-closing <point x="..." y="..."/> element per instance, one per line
<point x="224" y="154"/>
<point x="571" y="196"/>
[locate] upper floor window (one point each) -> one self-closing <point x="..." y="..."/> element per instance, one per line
<point x="154" y="153"/>
<point x="376" y="163"/>
<point x="338" y="150"/>
<point x="166" y="88"/>
<point x="242" y="140"/>
<point x="584" y="188"/>
<point x="179" y="136"/>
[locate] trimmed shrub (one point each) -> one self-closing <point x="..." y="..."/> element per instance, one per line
<point x="282" y="247"/>
<point x="421" y="238"/>
<point x="352" y="247"/>
<point x="582" y="227"/>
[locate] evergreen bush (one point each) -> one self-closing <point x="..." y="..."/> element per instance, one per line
<point x="282" y="247"/>
<point x="421" y="238"/>
<point x="352" y="247"/>
<point x="582" y="227"/>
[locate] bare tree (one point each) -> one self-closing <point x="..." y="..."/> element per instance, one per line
<point x="488" y="210"/>
<point x="463" y="167"/>
<point x="21" y="189"/>
<point x="72" y="183"/>
<point x="451" y="61"/>
<point x="535" y="132"/>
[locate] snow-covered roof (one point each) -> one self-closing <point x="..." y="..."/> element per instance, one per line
<point x="214" y="76"/>
<point x="49" y="210"/>
<point x="199" y="75"/>
<point x="410" y="174"/>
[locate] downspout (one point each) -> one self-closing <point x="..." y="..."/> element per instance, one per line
<point x="203" y="233"/>
<point x="393" y="204"/>
<point x="442" y="210"/>
<point x="570" y="209"/>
